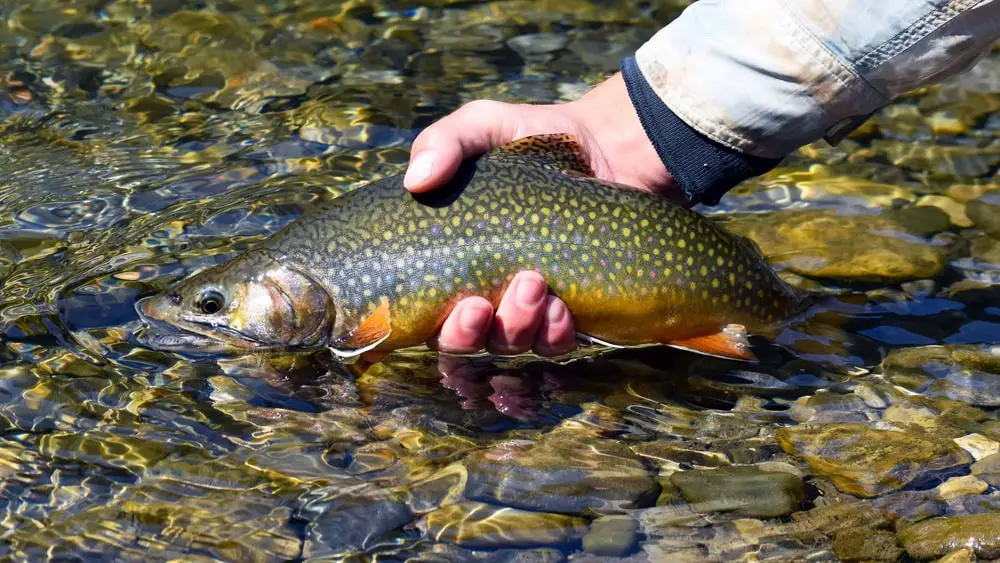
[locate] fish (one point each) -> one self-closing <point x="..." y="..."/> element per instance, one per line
<point x="379" y="268"/>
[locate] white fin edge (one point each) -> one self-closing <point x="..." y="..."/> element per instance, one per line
<point x="358" y="351"/>
<point x="594" y="340"/>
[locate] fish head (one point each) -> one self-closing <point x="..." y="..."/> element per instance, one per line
<point x="246" y="304"/>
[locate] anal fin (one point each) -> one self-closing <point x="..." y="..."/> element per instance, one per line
<point x="371" y="332"/>
<point x="730" y="343"/>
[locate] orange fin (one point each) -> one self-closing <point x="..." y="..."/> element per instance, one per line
<point x="731" y="343"/>
<point x="555" y="151"/>
<point x="370" y="333"/>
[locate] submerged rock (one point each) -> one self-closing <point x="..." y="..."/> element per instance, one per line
<point x="985" y="214"/>
<point x="611" y="536"/>
<point x="562" y="473"/>
<point x="865" y="544"/>
<point x="940" y="536"/>
<point x="966" y="373"/>
<point x="866" y="462"/>
<point x="745" y="491"/>
<point x="346" y="523"/>
<point x="474" y="524"/>
<point x="864" y="248"/>
<point x="962" y="486"/>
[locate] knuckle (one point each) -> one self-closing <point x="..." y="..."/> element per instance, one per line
<point x="481" y="106"/>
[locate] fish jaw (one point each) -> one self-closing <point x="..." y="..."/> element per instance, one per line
<point x="164" y="331"/>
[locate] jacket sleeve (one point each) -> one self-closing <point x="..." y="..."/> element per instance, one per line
<point x="732" y="86"/>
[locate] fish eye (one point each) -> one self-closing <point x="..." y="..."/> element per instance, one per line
<point x="210" y="302"/>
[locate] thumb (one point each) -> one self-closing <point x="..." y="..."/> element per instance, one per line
<point x="473" y="129"/>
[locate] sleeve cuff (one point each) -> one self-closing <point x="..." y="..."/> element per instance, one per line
<point x="704" y="168"/>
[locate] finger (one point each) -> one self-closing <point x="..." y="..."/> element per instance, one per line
<point x="519" y="314"/>
<point x="556" y="335"/>
<point x="466" y="328"/>
<point x="473" y="129"/>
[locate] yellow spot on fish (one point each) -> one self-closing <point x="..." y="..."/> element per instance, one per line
<point x="387" y="235"/>
<point x="534" y="218"/>
<point x="467" y="216"/>
<point x="548" y="247"/>
<point x="644" y="223"/>
<point x="612" y="244"/>
<point x="432" y="292"/>
<point x="681" y="243"/>
<point x="715" y="283"/>
<point x="703" y="270"/>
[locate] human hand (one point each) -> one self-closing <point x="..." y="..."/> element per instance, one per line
<point x="615" y="145"/>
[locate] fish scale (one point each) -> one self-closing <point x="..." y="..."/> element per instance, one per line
<point x="632" y="267"/>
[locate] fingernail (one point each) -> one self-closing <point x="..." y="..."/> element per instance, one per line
<point x="473" y="318"/>
<point x="419" y="170"/>
<point x="530" y="293"/>
<point x="555" y="312"/>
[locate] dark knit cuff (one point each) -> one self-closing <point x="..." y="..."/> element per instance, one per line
<point x="704" y="169"/>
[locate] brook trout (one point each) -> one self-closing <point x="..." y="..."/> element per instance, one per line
<point x="380" y="269"/>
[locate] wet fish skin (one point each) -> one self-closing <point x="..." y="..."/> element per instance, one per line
<point x="632" y="267"/>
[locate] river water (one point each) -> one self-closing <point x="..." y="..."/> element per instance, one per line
<point x="141" y="140"/>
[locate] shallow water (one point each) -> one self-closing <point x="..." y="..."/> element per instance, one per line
<point x="140" y="141"/>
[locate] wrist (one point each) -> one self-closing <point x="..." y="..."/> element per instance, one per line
<point x="616" y="142"/>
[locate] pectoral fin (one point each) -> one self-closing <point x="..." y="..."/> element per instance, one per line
<point x="588" y="339"/>
<point x="731" y="344"/>
<point x="371" y="332"/>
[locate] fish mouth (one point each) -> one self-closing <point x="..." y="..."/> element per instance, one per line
<point x="193" y="336"/>
<point x="158" y="334"/>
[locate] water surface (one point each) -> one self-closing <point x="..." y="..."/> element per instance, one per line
<point x="140" y="141"/>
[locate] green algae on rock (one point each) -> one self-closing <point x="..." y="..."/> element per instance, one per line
<point x="866" y="544"/>
<point x="939" y="536"/>
<point x="867" y="462"/>
<point x="864" y="248"/>
<point x="474" y="524"/>
<point x="744" y="491"/>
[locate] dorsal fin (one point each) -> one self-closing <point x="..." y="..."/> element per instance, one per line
<point x="559" y="151"/>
